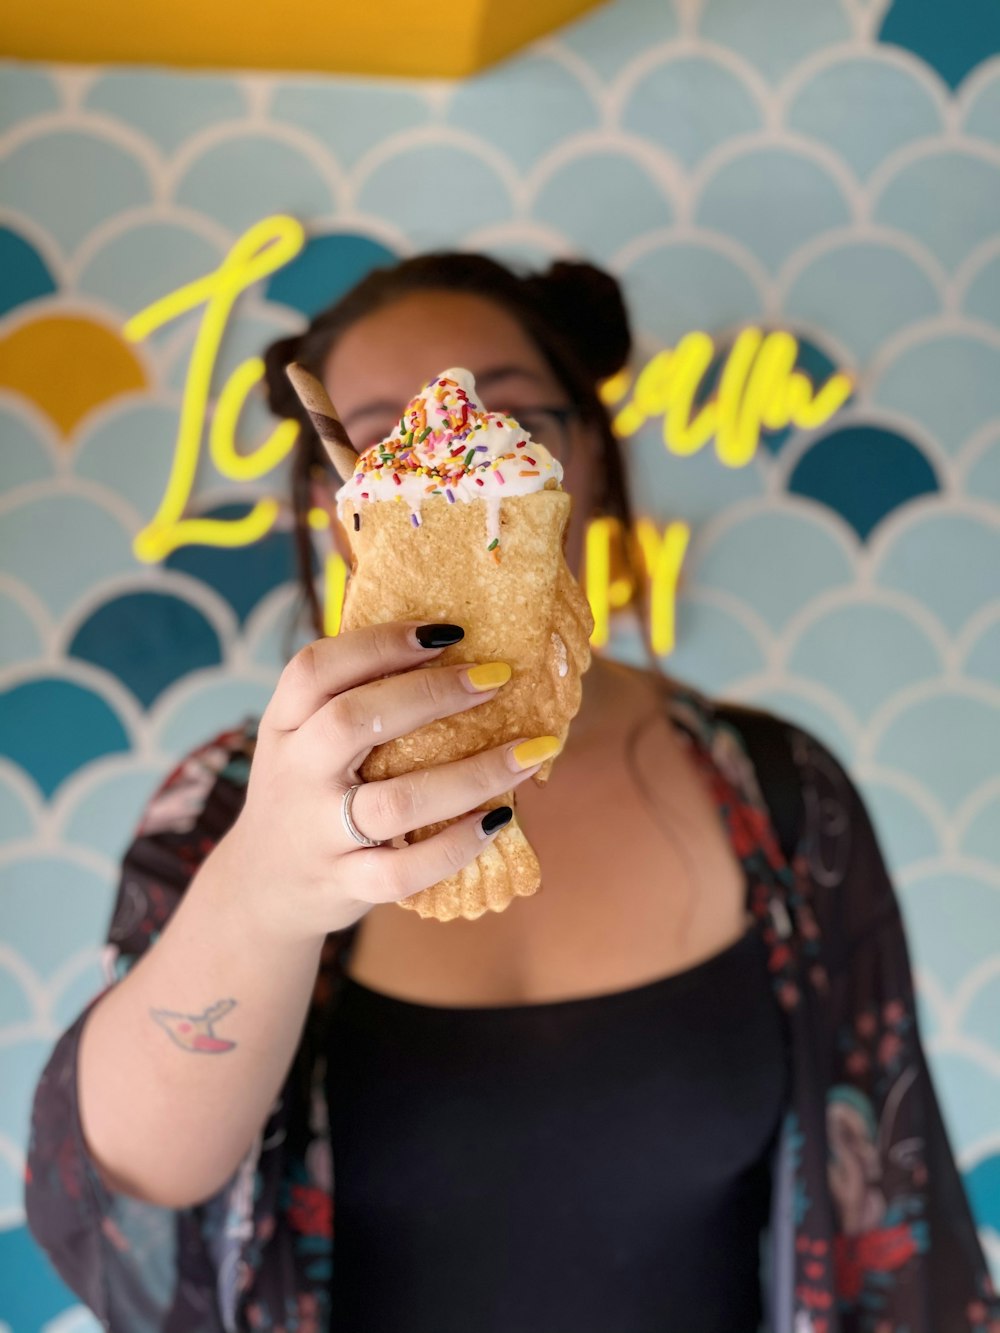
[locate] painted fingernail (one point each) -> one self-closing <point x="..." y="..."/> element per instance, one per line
<point x="494" y="820"/>
<point x="536" y="751"/>
<point x="488" y="675"/>
<point x="438" y="636"/>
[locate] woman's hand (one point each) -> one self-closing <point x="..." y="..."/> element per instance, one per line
<point x="299" y="870"/>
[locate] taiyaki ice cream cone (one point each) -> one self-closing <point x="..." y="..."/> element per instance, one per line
<point x="458" y="516"/>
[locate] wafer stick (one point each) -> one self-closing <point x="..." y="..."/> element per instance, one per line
<point x="323" y="415"/>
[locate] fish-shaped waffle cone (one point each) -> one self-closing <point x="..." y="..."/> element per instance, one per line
<point x="525" y="609"/>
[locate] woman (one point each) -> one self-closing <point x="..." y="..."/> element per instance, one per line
<point x="680" y="1088"/>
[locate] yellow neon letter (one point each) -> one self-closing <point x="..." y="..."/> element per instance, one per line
<point x="663" y="558"/>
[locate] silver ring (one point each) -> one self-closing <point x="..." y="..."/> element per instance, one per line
<point x="349" y="824"/>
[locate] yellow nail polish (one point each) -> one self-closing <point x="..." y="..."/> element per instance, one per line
<point x="529" y="753"/>
<point x="488" y="675"/>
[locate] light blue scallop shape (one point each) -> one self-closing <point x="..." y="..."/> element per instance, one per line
<point x="865" y="107"/>
<point x="269" y="636"/>
<point x="948" y="562"/>
<point x="610" y="35"/>
<point x="169" y="108"/>
<point x="130" y="451"/>
<point x="953" y="921"/>
<point x="982" y="835"/>
<point x="17" y="818"/>
<point x="928" y="1022"/>
<point x="689" y="105"/>
<point x="686" y="285"/>
<point x="777" y="562"/>
<point x="524" y="107"/>
<point x="247" y="335"/>
<point x="21" y="1064"/>
<point x="774" y="35"/>
<point x="100" y="548"/>
<point x="27" y="92"/>
<point x="905" y="835"/>
<point x="864" y="654"/>
<point x="69" y="181"/>
<point x="949" y="201"/>
<point x="53" y="908"/>
<point x="348" y="118"/>
<point x="982" y="117"/>
<point x="712" y="646"/>
<point x="87" y="981"/>
<point x="862" y="293"/>
<point x="692" y="489"/>
<point x="15" y="1006"/>
<point x="982" y="296"/>
<point x="949" y="384"/>
<point x="252" y="176"/>
<point x="25" y="456"/>
<point x="948" y="743"/>
<point x="526" y="256"/>
<point x="600" y="221"/>
<point x="436" y="193"/>
<point x="982" y="481"/>
<point x="982" y="661"/>
<point x="221" y="701"/>
<point x="772" y="200"/>
<point x="134" y="269"/>
<point x="969" y="1095"/>
<point x="980" y="1021"/>
<point x="19" y="637"/>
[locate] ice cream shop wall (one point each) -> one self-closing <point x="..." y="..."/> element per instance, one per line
<point x="823" y="171"/>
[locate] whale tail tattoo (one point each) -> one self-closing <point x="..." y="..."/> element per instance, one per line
<point x="194" y="1032"/>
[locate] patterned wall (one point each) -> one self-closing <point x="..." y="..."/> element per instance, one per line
<point x="828" y="166"/>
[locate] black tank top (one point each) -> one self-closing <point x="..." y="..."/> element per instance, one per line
<point x="594" y="1165"/>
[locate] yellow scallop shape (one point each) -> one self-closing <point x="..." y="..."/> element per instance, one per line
<point x="67" y="365"/>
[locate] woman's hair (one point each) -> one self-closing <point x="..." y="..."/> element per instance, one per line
<point x="573" y="312"/>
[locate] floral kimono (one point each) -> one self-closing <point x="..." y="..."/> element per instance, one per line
<point x="870" y="1230"/>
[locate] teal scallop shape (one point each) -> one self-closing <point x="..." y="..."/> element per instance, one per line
<point x="52" y="727"/>
<point x="252" y="176"/>
<point x="349" y="118"/>
<point x="982" y="660"/>
<point x="774" y="35"/>
<point x="609" y="36"/>
<point x="694" y="488"/>
<point x="524" y="107"/>
<point x="26" y="457"/>
<point x="772" y="200"/>
<point x="865" y="107"/>
<point x="713" y="647"/>
<point x="147" y="640"/>
<point x="51" y="179"/>
<point x="59" y="575"/>
<point x="27" y="91"/>
<point x="130" y="450"/>
<point x="949" y="384"/>
<point x="38" y="1300"/>
<point x="53" y="908"/>
<point x="952" y="41"/>
<point x="20" y="640"/>
<point x="685" y="285"/>
<point x="17" y="816"/>
<point x="217" y="700"/>
<point x="689" y="105"/>
<point x="104" y="806"/>
<point x="326" y="268"/>
<point x="864" y="654"/>
<point x="135" y="268"/>
<point x="863" y="473"/>
<point x="168" y="108"/>
<point x="953" y="921"/>
<point x="948" y="200"/>
<point x="600" y="221"/>
<point x="982" y="294"/>
<point x="774" y="561"/>
<point x="969" y="1095"/>
<point x="982" y="115"/>
<point x="947" y="742"/>
<point x="861" y="293"/>
<point x="945" y="561"/>
<point x="24" y="274"/>
<point x="436" y="193"/>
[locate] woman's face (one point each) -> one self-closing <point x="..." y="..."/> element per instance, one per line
<point x="386" y="357"/>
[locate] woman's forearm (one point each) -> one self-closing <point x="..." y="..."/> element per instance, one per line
<point x="180" y="1062"/>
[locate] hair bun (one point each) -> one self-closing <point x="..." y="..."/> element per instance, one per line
<point x="281" y="397"/>
<point x="588" y="307"/>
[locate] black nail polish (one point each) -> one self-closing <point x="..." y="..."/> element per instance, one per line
<point x="438" y="636"/>
<point x="496" y="819"/>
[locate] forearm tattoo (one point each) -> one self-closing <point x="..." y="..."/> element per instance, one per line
<point x="194" y="1032"/>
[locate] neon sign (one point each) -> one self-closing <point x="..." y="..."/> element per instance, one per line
<point x="758" y="389"/>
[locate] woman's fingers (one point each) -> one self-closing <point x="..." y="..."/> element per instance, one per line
<point x="386" y="874"/>
<point x="394" y="806"/>
<point x="330" y="666"/>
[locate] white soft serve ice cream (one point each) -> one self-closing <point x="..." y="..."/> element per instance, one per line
<point x="447" y="445"/>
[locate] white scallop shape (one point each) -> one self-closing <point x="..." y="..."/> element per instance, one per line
<point x="949" y="383"/>
<point x="948" y="199"/>
<point x="946" y="740"/>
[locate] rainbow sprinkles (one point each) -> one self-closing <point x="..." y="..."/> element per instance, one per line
<point x="446" y="445"/>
